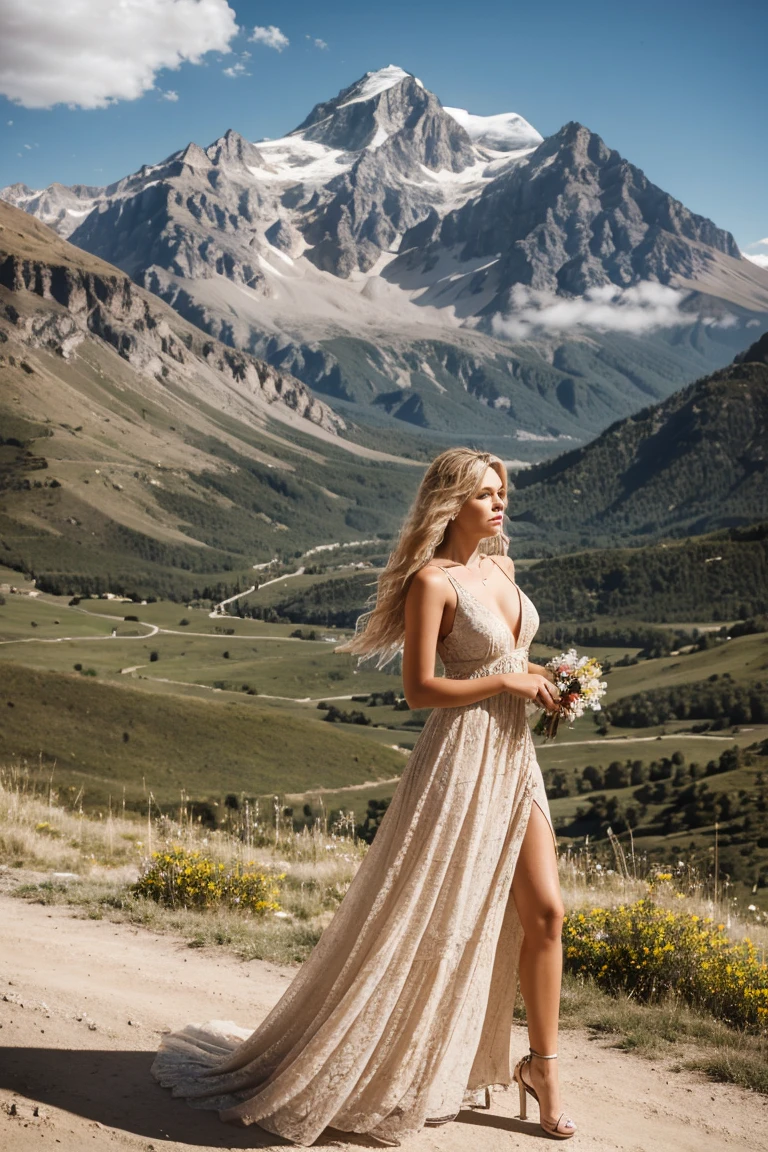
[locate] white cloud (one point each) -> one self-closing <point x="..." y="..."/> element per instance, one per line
<point x="77" y="53"/>
<point x="9" y="123"/>
<point x="759" y="258"/>
<point x="169" y="95"/>
<point x="321" y="44"/>
<point x="641" y="308"/>
<point x="270" y="36"/>
<point x="28" y="147"/>
<point x="236" y="70"/>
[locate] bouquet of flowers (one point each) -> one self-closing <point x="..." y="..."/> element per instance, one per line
<point x="578" y="680"/>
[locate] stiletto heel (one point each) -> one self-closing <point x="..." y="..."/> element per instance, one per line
<point x="561" y="1126"/>
<point x="523" y="1100"/>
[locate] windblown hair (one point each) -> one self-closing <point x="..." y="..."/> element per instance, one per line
<point x="451" y="479"/>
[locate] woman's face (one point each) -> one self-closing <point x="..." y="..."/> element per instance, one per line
<point x="483" y="514"/>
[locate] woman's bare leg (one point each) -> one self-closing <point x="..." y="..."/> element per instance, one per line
<point x="536" y="892"/>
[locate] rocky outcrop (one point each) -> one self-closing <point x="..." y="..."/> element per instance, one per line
<point x="107" y="304"/>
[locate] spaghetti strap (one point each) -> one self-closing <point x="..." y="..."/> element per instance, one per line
<point x="501" y="570"/>
<point x="451" y="579"/>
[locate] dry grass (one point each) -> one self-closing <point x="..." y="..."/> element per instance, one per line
<point x="586" y="880"/>
<point x="91" y="861"/>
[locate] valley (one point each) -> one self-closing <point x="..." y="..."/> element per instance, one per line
<point x="122" y="704"/>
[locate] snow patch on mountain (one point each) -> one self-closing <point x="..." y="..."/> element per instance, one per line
<point x="380" y="138"/>
<point x="293" y="160"/>
<point x="374" y="83"/>
<point x="504" y="132"/>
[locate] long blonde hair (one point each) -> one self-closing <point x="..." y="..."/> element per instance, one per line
<point x="451" y="479"/>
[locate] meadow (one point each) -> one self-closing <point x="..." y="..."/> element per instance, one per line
<point x="172" y="698"/>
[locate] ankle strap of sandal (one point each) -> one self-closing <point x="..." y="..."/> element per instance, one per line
<point x="541" y="1056"/>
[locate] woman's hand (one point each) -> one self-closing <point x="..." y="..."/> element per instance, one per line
<point x="533" y="686"/>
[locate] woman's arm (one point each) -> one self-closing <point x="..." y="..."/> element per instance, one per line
<point x="425" y="603"/>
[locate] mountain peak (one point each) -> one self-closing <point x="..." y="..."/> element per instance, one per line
<point x="372" y="84"/>
<point x="232" y="148"/>
<point x="367" y="112"/>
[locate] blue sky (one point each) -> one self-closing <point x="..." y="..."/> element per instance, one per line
<point x="677" y="86"/>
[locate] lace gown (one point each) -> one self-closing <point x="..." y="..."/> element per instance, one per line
<point x="402" y="1013"/>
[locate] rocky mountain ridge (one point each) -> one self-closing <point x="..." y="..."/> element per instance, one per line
<point x="401" y="258"/>
<point x="99" y="300"/>
<point x="575" y="216"/>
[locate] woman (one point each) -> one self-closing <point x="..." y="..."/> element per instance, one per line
<point x="403" y="1011"/>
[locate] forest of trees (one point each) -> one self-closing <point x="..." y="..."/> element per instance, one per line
<point x="719" y="699"/>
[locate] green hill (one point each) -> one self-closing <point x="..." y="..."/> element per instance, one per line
<point x="694" y="463"/>
<point x="138" y="454"/>
<point x="119" y="742"/>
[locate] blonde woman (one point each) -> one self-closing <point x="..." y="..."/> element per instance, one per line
<point x="402" y="1014"/>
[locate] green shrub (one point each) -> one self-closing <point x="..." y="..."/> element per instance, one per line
<point x="182" y="879"/>
<point x="651" y="952"/>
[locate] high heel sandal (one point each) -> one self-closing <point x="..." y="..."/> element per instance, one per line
<point x="561" y="1126"/>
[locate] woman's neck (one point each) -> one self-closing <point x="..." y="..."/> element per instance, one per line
<point x="463" y="552"/>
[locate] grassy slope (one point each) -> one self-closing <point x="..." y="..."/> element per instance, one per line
<point x="167" y="475"/>
<point x="158" y="495"/>
<point x="694" y="462"/>
<point x="203" y="747"/>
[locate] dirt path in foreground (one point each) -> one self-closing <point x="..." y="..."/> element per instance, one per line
<point x="83" y="1002"/>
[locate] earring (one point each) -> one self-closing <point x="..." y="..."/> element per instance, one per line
<point x="453" y="517"/>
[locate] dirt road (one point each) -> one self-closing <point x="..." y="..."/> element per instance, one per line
<point x="83" y="1002"/>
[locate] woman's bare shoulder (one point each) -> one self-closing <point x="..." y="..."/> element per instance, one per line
<point x="430" y="581"/>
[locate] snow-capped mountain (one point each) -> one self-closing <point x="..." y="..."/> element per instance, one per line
<point x="61" y="208"/>
<point x="455" y="271"/>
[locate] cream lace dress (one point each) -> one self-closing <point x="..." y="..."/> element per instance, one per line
<point x="403" y="1011"/>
